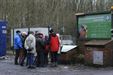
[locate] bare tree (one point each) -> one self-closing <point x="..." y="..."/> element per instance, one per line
<point x="58" y="13"/>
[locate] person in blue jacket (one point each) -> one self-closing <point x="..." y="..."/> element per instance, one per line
<point x="17" y="46"/>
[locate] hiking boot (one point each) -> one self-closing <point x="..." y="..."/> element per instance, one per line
<point x="31" y="67"/>
<point x="16" y="63"/>
<point x="21" y="64"/>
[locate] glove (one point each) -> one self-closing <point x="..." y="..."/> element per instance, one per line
<point x="30" y="49"/>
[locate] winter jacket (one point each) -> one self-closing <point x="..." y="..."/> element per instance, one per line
<point x="54" y="43"/>
<point x="39" y="44"/>
<point x="17" y="42"/>
<point x="30" y="43"/>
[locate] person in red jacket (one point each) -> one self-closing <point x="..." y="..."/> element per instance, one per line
<point x="54" y="47"/>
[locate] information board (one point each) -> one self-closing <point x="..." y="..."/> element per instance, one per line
<point x="95" y="26"/>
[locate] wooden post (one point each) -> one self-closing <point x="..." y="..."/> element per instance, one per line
<point x="112" y="22"/>
<point x="112" y="16"/>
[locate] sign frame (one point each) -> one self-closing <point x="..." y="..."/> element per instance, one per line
<point x="90" y="14"/>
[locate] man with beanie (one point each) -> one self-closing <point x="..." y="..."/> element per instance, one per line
<point x="54" y="47"/>
<point x="17" y="45"/>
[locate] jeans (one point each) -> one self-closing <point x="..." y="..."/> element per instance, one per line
<point x="30" y="59"/>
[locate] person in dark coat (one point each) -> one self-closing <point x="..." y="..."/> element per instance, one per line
<point x="47" y="49"/>
<point x="40" y="50"/>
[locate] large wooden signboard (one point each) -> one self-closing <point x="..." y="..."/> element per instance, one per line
<point x="95" y="26"/>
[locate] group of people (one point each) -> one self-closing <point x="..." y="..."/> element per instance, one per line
<point x="35" y="47"/>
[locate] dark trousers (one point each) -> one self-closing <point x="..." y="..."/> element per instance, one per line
<point x="46" y="58"/>
<point x="17" y="52"/>
<point x="30" y="59"/>
<point x="40" y="59"/>
<point x="54" y="57"/>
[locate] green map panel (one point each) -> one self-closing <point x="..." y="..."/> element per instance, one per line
<point x="98" y="26"/>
